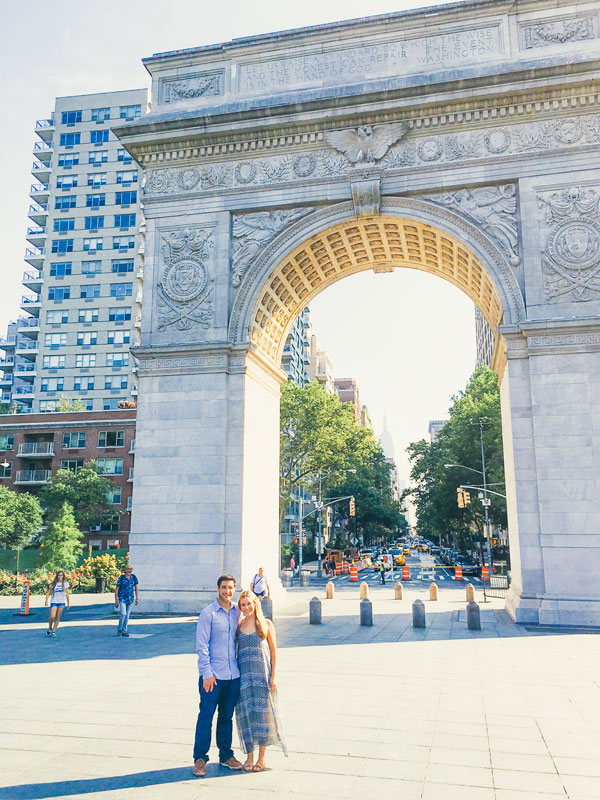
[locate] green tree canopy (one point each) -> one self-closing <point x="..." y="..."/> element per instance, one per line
<point x="20" y="518"/>
<point x="85" y="491"/>
<point x="62" y="541"/>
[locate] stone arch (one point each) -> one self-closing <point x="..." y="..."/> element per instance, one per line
<point x="331" y="243"/>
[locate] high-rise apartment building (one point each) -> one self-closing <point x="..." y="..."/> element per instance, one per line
<point x="320" y="368"/>
<point x="83" y="309"/>
<point x="484" y="338"/>
<point x="296" y="352"/>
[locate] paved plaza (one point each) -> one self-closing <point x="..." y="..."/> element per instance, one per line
<point x="507" y="713"/>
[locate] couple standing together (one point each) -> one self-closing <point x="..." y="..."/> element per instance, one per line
<point x="237" y="662"/>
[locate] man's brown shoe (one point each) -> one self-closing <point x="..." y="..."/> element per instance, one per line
<point x="199" y="769"/>
<point x="231" y="763"/>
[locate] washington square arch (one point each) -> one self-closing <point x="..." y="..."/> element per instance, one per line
<point x="460" y="140"/>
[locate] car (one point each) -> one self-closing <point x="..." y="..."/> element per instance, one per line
<point x="398" y="556"/>
<point x="468" y="564"/>
<point x="435" y="550"/>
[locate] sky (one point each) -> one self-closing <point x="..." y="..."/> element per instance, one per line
<point x="407" y="337"/>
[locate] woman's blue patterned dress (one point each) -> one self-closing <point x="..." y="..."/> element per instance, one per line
<point x="257" y="712"/>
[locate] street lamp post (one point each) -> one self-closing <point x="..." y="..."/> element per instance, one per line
<point x="486" y="500"/>
<point x="319" y="507"/>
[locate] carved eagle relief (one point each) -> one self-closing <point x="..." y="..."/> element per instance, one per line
<point x="367" y="143"/>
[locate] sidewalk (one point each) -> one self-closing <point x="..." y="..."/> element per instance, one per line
<point x="508" y="713"/>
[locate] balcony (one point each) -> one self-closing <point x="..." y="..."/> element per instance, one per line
<point x="138" y="322"/>
<point x="41" y="172"/>
<point x="8" y="344"/>
<point x="38" y="213"/>
<point x="6" y="381"/>
<point x="33" y="281"/>
<point x="35" y="257"/>
<point x="33" y="476"/>
<point x="36" y="449"/>
<point x="30" y="327"/>
<point x="7" y="363"/>
<point x="45" y="129"/>
<point x="25" y="371"/>
<point x="43" y="151"/>
<point x="27" y="351"/>
<point x="37" y="236"/>
<point x="39" y="191"/>
<point x="32" y="304"/>
<point x="24" y="393"/>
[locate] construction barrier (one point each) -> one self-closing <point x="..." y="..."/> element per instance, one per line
<point x="405" y="573"/>
<point x="24" y="609"/>
<point x="458" y="576"/>
<point x="485" y="573"/>
<point x="353" y="573"/>
<point x="345" y="567"/>
<point x="338" y="567"/>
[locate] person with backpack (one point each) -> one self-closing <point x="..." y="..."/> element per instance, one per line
<point x="260" y="584"/>
<point x="126" y="593"/>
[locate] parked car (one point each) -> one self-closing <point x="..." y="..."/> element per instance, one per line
<point x="468" y="564"/>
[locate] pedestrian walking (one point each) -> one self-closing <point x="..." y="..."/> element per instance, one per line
<point x="293" y="565"/>
<point x="257" y="712"/>
<point x="126" y="593"/>
<point x="382" y="566"/>
<point x="219" y="676"/>
<point x="260" y="585"/>
<point x="58" y="595"/>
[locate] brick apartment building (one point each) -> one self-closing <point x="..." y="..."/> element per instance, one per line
<point x="34" y="446"/>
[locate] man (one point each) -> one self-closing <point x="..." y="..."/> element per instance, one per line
<point x="125" y="592"/>
<point x="260" y="584"/>
<point x="219" y="681"/>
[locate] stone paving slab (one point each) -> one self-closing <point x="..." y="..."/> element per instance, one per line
<point x="505" y="713"/>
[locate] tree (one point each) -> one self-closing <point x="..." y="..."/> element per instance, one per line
<point x="62" y="541"/>
<point x="85" y="491"/>
<point x="67" y="404"/>
<point x="20" y="518"/>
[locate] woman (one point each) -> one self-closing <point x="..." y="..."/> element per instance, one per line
<point x="59" y="592"/>
<point x="257" y="711"/>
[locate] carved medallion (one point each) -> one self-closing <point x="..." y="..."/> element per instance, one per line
<point x="245" y="172"/>
<point x="430" y="149"/>
<point x="185" y="291"/>
<point x="189" y="178"/>
<point x="497" y="141"/>
<point x="305" y="165"/>
<point x="576" y="244"/>
<point x="184" y="280"/>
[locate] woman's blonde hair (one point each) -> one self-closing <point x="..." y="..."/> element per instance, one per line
<point x="262" y="626"/>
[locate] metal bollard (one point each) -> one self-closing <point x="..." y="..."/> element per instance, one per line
<point x="433" y="591"/>
<point x="287" y="577"/>
<point x="329" y="591"/>
<point x="366" y="612"/>
<point x="305" y="577"/>
<point x="364" y="590"/>
<point x="398" y="591"/>
<point x="267" y="607"/>
<point x="314" y="612"/>
<point x="473" y="616"/>
<point x="418" y="614"/>
<point x="470" y="592"/>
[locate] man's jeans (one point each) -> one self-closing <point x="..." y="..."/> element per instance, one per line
<point x="124" y="612"/>
<point x="224" y="697"/>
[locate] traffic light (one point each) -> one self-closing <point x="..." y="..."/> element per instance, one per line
<point x="296" y="540"/>
<point x="460" y="498"/>
<point x="352" y="507"/>
<point x="467" y="497"/>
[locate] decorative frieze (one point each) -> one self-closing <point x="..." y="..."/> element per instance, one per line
<point x="185" y="289"/>
<point x="191" y="87"/>
<point x="367" y="143"/>
<point x="545" y="34"/>
<point x="570" y="233"/>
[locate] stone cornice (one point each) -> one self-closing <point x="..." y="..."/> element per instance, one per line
<point x="551" y="337"/>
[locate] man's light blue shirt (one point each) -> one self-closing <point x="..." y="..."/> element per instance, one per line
<point x="215" y="642"/>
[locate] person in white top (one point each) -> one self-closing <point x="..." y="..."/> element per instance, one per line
<point x="260" y="584"/>
<point x="58" y="595"/>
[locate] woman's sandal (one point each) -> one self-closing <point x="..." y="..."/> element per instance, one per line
<point x="248" y="767"/>
<point x="258" y="767"/>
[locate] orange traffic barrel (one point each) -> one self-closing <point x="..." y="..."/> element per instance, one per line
<point x="405" y="573"/>
<point x="458" y="573"/>
<point x="485" y="573"/>
<point x="345" y="567"/>
<point x="353" y="572"/>
<point x="338" y="567"/>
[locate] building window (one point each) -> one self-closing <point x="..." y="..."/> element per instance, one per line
<point x="53" y="362"/>
<point x="97" y="157"/>
<point x="121" y="289"/>
<point x="124" y="157"/>
<point x="110" y="466"/>
<point x="122" y="266"/>
<point x="100" y="114"/>
<point x="91" y="290"/>
<point x="71" y="117"/>
<point x="6" y="471"/>
<point x="91" y="267"/>
<point x="123" y="242"/>
<point x="95" y="200"/>
<point x="7" y="441"/>
<point x="118" y="337"/>
<point x="70" y="139"/>
<point x="87" y="337"/>
<point x="115" y="381"/>
<point x="66" y="181"/>
<point x="63" y="225"/>
<point x="57" y="317"/>
<point x="126" y="198"/>
<point x="73" y="440"/>
<point x="47" y="406"/>
<point x="52" y="384"/>
<point x="68" y="160"/>
<point x="83" y="383"/>
<point x="94" y="223"/>
<point x="113" y="497"/>
<point x="96" y="179"/>
<point x="62" y="246"/>
<point x="55" y="339"/>
<point x="130" y="112"/>
<point x="127" y="176"/>
<point x="88" y="315"/>
<point x="124" y="220"/>
<point x="91" y="245"/>
<point x="117" y="359"/>
<point x="98" y="137"/>
<point x="112" y="403"/>
<point x="72" y="464"/>
<point x="85" y="360"/>
<point x="59" y="293"/>
<point x="119" y="314"/>
<point x="58" y="270"/>
<point x="111" y="438"/>
<point x="66" y="202"/>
